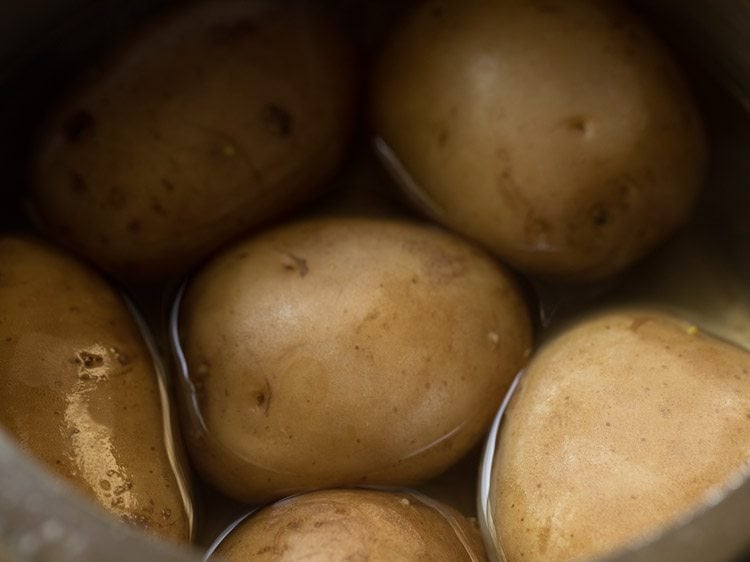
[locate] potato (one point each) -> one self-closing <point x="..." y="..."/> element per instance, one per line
<point x="79" y="391"/>
<point x="213" y="119"/>
<point x="559" y="134"/>
<point x="359" y="524"/>
<point x="341" y="351"/>
<point x="621" y="425"/>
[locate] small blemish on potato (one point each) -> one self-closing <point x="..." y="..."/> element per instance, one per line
<point x="442" y="138"/>
<point x="277" y="120"/>
<point x="134" y="226"/>
<point x="577" y="124"/>
<point x="405" y="502"/>
<point x="78" y="126"/>
<point x="493" y="337"/>
<point x="89" y="360"/>
<point x="291" y="262"/>
<point x="536" y="230"/>
<point x="599" y="216"/>
<point x="157" y="207"/>
<point x="692" y="330"/>
<point x="77" y="183"/>
<point x="167" y="185"/>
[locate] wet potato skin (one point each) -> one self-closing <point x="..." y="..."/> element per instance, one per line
<point x="343" y="351"/>
<point x="559" y="134"/>
<point x="348" y="525"/>
<point x="621" y="424"/>
<point x="78" y="389"/>
<point x="213" y="119"/>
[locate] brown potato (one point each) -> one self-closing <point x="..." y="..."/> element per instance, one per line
<point x="360" y="524"/>
<point x="79" y="391"/>
<point x="341" y="351"/>
<point x="620" y="426"/>
<point x="215" y="118"/>
<point x="559" y="134"/>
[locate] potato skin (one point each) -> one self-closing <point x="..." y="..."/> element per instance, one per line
<point x="211" y="120"/>
<point x="559" y="134"/>
<point x="622" y="424"/>
<point x="344" y="351"/>
<point x="78" y="390"/>
<point x="356" y="524"/>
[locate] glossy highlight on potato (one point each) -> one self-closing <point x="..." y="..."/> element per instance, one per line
<point x="621" y="425"/>
<point x="355" y="524"/>
<point x="561" y="134"/>
<point x="343" y="351"/>
<point x="79" y="389"/>
<point x="212" y="119"/>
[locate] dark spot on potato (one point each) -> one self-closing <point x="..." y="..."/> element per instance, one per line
<point x="599" y="216"/>
<point x="292" y="262"/>
<point x="134" y="226"/>
<point x="78" y="126"/>
<point x="167" y="185"/>
<point x="89" y="360"/>
<point x="8" y="339"/>
<point x="577" y="124"/>
<point x="157" y="207"/>
<point x="536" y="230"/>
<point x="277" y="120"/>
<point x="442" y="138"/>
<point x="77" y="183"/>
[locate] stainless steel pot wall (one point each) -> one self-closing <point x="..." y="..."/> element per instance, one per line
<point x="44" y="42"/>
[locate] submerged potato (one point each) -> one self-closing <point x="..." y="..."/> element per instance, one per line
<point x="339" y="351"/>
<point x="559" y="134"/>
<point x="215" y="118"/>
<point x="347" y="525"/>
<point x="78" y="389"/>
<point x="620" y="425"/>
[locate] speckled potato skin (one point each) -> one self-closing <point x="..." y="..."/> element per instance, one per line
<point x="78" y="390"/>
<point x="212" y="120"/>
<point x="344" y="351"/>
<point x="349" y="525"/>
<point x="559" y="134"/>
<point x="622" y="424"/>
